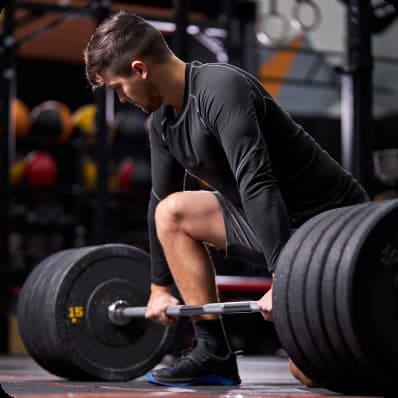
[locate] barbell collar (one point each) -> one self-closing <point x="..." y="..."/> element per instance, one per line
<point x="116" y="315"/>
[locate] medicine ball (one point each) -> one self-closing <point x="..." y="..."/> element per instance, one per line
<point x="89" y="174"/>
<point x="17" y="172"/>
<point x="134" y="175"/>
<point x="130" y="129"/>
<point x="52" y="121"/>
<point x="83" y="120"/>
<point x="21" y="118"/>
<point x="40" y="169"/>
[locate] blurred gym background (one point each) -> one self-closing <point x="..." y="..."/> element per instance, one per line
<point x="74" y="165"/>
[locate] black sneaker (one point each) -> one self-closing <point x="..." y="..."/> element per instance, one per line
<point x="198" y="367"/>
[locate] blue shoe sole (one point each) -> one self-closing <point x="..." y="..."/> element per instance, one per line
<point x="210" y="380"/>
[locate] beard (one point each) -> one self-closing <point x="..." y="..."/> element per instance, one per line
<point x="151" y="106"/>
<point x="150" y="100"/>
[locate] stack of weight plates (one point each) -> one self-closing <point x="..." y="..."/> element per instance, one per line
<point x="335" y="298"/>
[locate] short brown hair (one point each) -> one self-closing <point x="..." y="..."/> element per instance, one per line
<point x="120" y="38"/>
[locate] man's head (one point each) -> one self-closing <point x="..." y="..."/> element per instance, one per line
<point x="120" y="54"/>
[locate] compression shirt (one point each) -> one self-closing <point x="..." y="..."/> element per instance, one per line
<point x="234" y="136"/>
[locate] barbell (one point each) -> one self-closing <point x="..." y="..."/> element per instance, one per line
<point x="120" y="313"/>
<point x="335" y="294"/>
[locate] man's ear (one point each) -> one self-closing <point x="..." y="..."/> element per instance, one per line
<point x="141" y="68"/>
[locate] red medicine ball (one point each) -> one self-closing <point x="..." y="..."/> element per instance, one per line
<point x="125" y="173"/>
<point x="40" y="169"/>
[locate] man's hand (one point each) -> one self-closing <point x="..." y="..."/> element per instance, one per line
<point x="159" y="300"/>
<point x="265" y="304"/>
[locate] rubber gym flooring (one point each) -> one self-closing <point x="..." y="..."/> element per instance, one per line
<point x="262" y="376"/>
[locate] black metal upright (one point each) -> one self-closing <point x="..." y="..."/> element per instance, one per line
<point x="181" y="37"/>
<point x="7" y="140"/>
<point x="241" y="39"/>
<point x="101" y="151"/>
<point x="100" y="235"/>
<point x="247" y="12"/>
<point x="357" y="95"/>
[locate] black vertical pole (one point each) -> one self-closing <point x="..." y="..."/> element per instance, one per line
<point x="101" y="156"/>
<point x="7" y="140"/>
<point x="100" y="234"/>
<point x="233" y="42"/>
<point x="249" y="49"/>
<point x="357" y="95"/>
<point x="241" y="40"/>
<point x="180" y="37"/>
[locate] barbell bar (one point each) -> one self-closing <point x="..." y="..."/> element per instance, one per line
<point x="120" y="313"/>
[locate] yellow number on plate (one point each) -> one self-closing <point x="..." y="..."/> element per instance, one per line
<point x="76" y="313"/>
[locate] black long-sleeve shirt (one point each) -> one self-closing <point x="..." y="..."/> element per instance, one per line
<point x="234" y="136"/>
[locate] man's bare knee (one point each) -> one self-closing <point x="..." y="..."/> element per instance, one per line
<point x="168" y="214"/>
<point x="196" y="214"/>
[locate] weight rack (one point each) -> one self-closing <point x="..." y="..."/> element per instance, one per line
<point x="97" y="10"/>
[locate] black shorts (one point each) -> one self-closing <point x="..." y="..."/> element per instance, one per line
<point x="242" y="243"/>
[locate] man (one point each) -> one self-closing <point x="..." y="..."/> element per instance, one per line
<point x="218" y="123"/>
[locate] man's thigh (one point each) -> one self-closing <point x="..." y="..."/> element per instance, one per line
<point x="241" y="241"/>
<point x="208" y="217"/>
<point x="199" y="215"/>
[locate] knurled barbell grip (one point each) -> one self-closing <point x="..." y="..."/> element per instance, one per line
<point x="233" y="307"/>
<point x="214" y="308"/>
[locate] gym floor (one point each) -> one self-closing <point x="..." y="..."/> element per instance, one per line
<point x="262" y="376"/>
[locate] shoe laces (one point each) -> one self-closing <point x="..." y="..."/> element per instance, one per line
<point x="188" y="350"/>
<point x="180" y="362"/>
<point x="186" y="355"/>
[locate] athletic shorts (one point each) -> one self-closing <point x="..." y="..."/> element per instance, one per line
<point x="242" y="243"/>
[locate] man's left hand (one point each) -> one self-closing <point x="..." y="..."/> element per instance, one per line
<point x="265" y="304"/>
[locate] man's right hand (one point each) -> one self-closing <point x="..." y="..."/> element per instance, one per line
<point x="159" y="300"/>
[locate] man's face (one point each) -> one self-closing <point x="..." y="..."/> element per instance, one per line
<point x="136" y="89"/>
